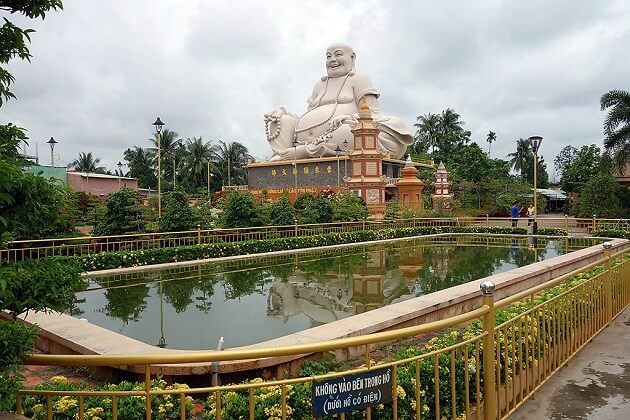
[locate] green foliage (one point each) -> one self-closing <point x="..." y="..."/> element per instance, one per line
<point x="600" y="196"/>
<point x="282" y="212"/>
<point x="393" y="210"/>
<point x="576" y="167"/>
<point x="39" y="285"/>
<point x="140" y="164"/>
<point x="165" y="407"/>
<point x="17" y="341"/>
<point x="443" y="131"/>
<point x="347" y="207"/>
<point x="82" y="204"/>
<point x="617" y="125"/>
<point x="241" y="210"/>
<point x="87" y="163"/>
<point x="123" y="214"/>
<point x="176" y="213"/>
<point x="612" y="233"/>
<point x="205" y="215"/>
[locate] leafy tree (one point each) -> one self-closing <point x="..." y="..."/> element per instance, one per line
<point x="240" y="211"/>
<point x="177" y="214"/>
<point x="600" y="196"/>
<point x="347" y="207"/>
<point x="443" y="131"/>
<point x="82" y="204"/>
<point x="282" y="212"/>
<point x="578" y="167"/>
<point x="14" y="40"/>
<point x="324" y="208"/>
<point x="310" y="208"/>
<point x="617" y="124"/>
<point x="491" y="138"/>
<point x="140" y="164"/>
<point x="169" y="143"/>
<point x="87" y="163"/>
<point x="565" y="158"/>
<point x="123" y="214"/>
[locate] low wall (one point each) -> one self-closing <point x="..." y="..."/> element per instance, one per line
<point x="63" y="334"/>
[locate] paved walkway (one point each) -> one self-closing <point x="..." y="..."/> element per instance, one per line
<point x="595" y="384"/>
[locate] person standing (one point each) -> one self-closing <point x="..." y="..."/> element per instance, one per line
<point x="515" y="210"/>
<point x="530" y="214"/>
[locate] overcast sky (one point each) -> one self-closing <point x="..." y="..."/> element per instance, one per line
<point x="102" y="70"/>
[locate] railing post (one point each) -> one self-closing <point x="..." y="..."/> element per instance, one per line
<point x="198" y="234"/>
<point x="608" y="281"/>
<point x="487" y="220"/>
<point x="594" y="223"/>
<point x="566" y="223"/>
<point x="489" y="386"/>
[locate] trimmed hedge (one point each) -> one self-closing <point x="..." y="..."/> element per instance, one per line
<point x="613" y="233"/>
<point x="552" y="231"/>
<point x="108" y="260"/>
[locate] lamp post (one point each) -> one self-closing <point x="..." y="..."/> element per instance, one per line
<point x="337" y="151"/>
<point x="208" y="179"/>
<point x="536" y="141"/>
<point x="295" y="143"/>
<point x="52" y="143"/>
<point x="158" y="130"/>
<point x="120" y="165"/>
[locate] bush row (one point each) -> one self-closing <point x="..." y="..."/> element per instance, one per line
<point x="553" y="231"/>
<point x="613" y="233"/>
<point x="108" y="260"/>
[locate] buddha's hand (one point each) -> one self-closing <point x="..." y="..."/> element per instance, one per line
<point x="337" y="121"/>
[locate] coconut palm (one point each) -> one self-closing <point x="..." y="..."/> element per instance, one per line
<point x="617" y="124"/>
<point x="197" y="158"/>
<point x="229" y="160"/>
<point x="428" y="128"/>
<point x="169" y="143"/>
<point x="491" y="138"/>
<point x="87" y="163"/>
<point x="519" y="160"/>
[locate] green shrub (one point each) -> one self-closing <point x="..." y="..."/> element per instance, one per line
<point x="612" y="233"/>
<point x="176" y="213"/>
<point x="17" y="341"/>
<point x="282" y="212"/>
<point x="552" y="231"/>
<point x="123" y="214"/>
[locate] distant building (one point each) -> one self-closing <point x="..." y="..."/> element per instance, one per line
<point x="623" y="177"/>
<point x="100" y="185"/>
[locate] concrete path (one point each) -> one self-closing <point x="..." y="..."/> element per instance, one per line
<point x="595" y="384"/>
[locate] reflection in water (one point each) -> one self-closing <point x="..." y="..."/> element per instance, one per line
<point x="257" y="299"/>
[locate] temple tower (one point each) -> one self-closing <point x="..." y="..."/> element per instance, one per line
<point x="443" y="195"/>
<point x="367" y="162"/>
<point x="410" y="187"/>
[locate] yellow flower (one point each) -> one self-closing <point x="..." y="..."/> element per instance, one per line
<point x="400" y="391"/>
<point x="38" y="408"/>
<point x="59" y="379"/>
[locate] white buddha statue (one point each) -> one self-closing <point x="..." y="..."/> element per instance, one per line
<point x="333" y="109"/>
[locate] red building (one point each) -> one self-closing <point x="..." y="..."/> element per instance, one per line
<point x="100" y="185"/>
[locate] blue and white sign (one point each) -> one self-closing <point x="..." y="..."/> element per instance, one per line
<point x="352" y="392"/>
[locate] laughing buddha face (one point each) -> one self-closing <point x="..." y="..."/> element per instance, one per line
<point x="339" y="60"/>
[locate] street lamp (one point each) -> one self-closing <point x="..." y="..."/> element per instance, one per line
<point x="52" y="143"/>
<point x="209" y="176"/>
<point x="120" y="165"/>
<point x="337" y="151"/>
<point x="158" y="130"/>
<point x="536" y="141"/>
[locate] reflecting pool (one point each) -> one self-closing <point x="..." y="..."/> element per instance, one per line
<point x="257" y="299"/>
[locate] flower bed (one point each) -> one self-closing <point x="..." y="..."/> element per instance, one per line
<point x="108" y="260"/>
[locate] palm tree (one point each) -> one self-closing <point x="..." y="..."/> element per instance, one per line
<point x="168" y="150"/>
<point x="87" y="163"/>
<point x="140" y="164"/>
<point x="617" y="124"/>
<point x="230" y="160"/>
<point x="198" y="156"/>
<point x="519" y="160"/>
<point x="491" y="138"/>
<point x="428" y="127"/>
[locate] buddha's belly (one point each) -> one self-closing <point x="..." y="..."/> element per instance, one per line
<point x="316" y="122"/>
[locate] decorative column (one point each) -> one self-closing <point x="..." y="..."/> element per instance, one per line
<point x="366" y="163"/>
<point x="410" y="187"/>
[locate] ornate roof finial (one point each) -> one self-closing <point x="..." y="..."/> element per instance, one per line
<point x="364" y="110"/>
<point x="408" y="162"/>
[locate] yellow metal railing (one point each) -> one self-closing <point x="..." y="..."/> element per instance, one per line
<point x="85" y="245"/>
<point x="487" y="373"/>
